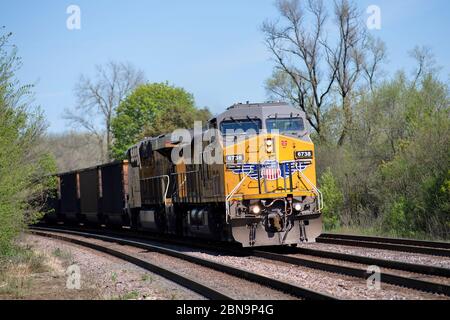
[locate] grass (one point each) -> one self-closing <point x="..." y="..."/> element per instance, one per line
<point x="147" y="278"/>
<point x="63" y="255"/>
<point x="16" y="271"/>
<point x="132" y="295"/>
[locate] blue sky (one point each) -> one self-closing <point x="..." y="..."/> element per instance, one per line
<point x="213" y="49"/>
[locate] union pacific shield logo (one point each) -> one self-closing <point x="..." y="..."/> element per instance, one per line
<point x="270" y="169"/>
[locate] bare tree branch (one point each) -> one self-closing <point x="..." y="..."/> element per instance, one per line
<point x="375" y="56"/>
<point x="298" y="53"/>
<point x="425" y="62"/>
<point x="98" y="99"/>
<point x="350" y="59"/>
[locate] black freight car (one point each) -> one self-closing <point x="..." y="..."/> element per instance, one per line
<point x="89" y="195"/>
<point x="69" y="202"/>
<point x="97" y="195"/>
<point x="113" y="193"/>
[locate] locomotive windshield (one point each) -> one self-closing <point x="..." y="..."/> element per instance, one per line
<point x="240" y="126"/>
<point x="284" y="125"/>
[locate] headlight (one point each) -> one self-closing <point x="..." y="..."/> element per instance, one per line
<point x="269" y="145"/>
<point x="255" y="209"/>
<point x="297" y="207"/>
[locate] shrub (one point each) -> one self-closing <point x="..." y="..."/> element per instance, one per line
<point x="25" y="169"/>
<point x="333" y="200"/>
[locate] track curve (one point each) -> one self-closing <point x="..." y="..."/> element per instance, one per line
<point x="293" y="290"/>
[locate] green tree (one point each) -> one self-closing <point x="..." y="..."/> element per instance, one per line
<point x="151" y="110"/>
<point x="393" y="171"/>
<point x="333" y="200"/>
<point x="25" y="169"/>
<point x="418" y="173"/>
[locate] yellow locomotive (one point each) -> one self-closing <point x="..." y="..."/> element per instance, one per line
<point x="261" y="190"/>
<point x="247" y="176"/>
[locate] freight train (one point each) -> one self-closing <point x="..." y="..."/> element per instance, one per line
<point x="252" y="181"/>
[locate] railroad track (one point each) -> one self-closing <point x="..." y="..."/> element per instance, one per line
<point x="383" y="263"/>
<point x="172" y="276"/>
<point x="209" y="293"/>
<point x="362" y="272"/>
<point x="334" y="267"/>
<point x="404" y="245"/>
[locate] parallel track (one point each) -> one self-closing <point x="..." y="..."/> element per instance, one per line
<point x="274" y="255"/>
<point x="383" y="263"/>
<point x="385" y="277"/>
<point x="404" y="245"/>
<point x="293" y="290"/>
<point x="410" y="242"/>
<point x="172" y="276"/>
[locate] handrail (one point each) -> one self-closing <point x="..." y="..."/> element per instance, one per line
<point x="167" y="187"/>
<point x="317" y="191"/>
<point x="185" y="173"/>
<point x="231" y="194"/>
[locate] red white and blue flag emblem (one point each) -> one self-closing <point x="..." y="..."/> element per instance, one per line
<point x="270" y="169"/>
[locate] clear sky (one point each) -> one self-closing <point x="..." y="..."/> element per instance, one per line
<point x="213" y="49"/>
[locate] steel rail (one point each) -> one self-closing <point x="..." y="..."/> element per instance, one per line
<point x="385" y="246"/>
<point x="389" y="264"/>
<point x="170" y="275"/>
<point x="410" y="242"/>
<point x="388" y="278"/>
<point x="288" y="288"/>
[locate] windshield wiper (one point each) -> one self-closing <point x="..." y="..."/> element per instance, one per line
<point x="254" y="122"/>
<point x="235" y="121"/>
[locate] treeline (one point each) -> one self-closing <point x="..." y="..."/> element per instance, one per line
<point x="393" y="174"/>
<point x="382" y="141"/>
<point x="148" y="110"/>
<point x="74" y="150"/>
<point x="24" y="167"/>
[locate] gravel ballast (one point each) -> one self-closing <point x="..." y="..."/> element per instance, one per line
<point x="107" y="276"/>
<point x="341" y="286"/>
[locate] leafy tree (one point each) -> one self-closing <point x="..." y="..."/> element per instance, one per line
<point x="151" y="110"/>
<point x="334" y="200"/>
<point x="418" y="172"/>
<point x="25" y="180"/>
<point x="393" y="172"/>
